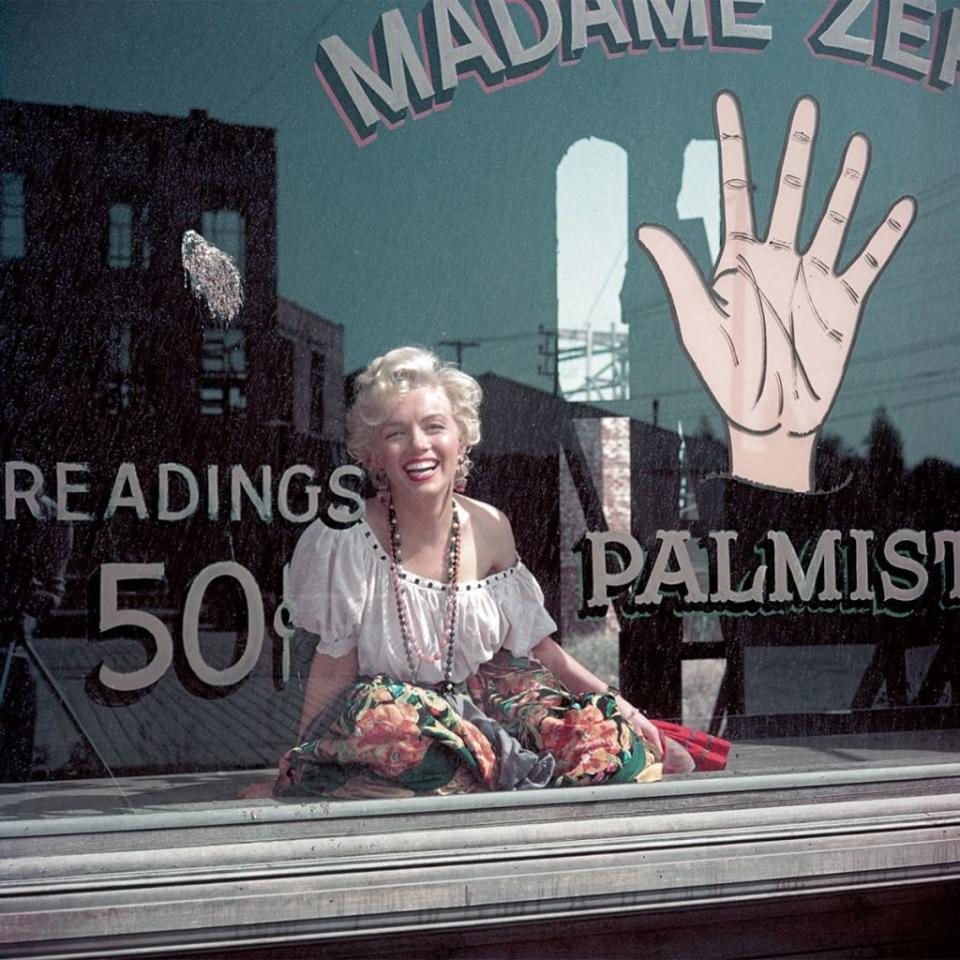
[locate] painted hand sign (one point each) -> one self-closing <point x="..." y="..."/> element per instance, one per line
<point x="770" y="333"/>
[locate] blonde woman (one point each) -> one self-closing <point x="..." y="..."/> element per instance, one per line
<point x="435" y="670"/>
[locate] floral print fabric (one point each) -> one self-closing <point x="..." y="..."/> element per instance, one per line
<point x="588" y="737"/>
<point x="386" y="737"/>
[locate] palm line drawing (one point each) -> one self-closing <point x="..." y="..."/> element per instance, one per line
<point x="771" y="332"/>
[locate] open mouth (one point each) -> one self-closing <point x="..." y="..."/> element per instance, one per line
<point x="421" y="470"/>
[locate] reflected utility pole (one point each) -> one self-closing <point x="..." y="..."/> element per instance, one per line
<point x="459" y="346"/>
<point x="549" y="366"/>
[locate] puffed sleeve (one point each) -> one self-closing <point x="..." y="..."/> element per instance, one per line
<point x="328" y="587"/>
<point x="525" y="621"/>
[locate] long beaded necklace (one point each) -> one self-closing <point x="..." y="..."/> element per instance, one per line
<point x="414" y="653"/>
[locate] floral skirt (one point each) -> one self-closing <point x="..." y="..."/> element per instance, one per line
<point x="513" y="725"/>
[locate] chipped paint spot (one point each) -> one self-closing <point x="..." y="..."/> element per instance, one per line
<point x="213" y="277"/>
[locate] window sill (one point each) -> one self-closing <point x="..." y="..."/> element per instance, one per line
<point x="703" y="850"/>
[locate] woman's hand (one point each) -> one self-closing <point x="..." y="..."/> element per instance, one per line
<point x="256" y="791"/>
<point x="641" y="726"/>
<point x="577" y="677"/>
<point x="770" y="333"/>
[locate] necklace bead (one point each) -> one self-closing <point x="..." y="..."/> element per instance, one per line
<point x="445" y="643"/>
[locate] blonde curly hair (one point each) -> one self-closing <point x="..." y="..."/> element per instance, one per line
<point x="399" y="372"/>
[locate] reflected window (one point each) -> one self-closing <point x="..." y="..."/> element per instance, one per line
<point x="317" y="379"/>
<point x="13" y="244"/>
<point x="699" y="196"/>
<point x="120" y="239"/>
<point x="143" y="238"/>
<point x="592" y="350"/>
<point x="226" y="230"/>
<point x="224" y="373"/>
<point x="286" y="380"/>
<point x="118" y="385"/>
<point x="128" y="243"/>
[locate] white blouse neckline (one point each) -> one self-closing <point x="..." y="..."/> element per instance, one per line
<point x="373" y="542"/>
<point x="341" y="592"/>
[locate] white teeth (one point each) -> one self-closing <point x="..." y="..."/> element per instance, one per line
<point x="421" y="467"/>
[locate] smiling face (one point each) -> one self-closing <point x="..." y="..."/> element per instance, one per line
<point x="419" y="444"/>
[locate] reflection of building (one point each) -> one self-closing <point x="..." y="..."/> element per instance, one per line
<point x="95" y="204"/>
<point x="313" y="351"/>
<point x="110" y="357"/>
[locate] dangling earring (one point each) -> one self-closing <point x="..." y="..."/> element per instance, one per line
<point x="463" y="471"/>
<point x="382" y="483"/>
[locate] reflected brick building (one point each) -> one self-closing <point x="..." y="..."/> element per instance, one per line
<point x="104" y="349"/>
<point x="95" y="204"/>
<point x="105" y="355"/>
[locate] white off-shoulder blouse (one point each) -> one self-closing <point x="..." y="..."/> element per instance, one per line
<point x="341" y="591"/>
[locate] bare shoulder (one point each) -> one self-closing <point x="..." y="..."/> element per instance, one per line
<point x="492" y="533"/>
<point x="485" y="517"/>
